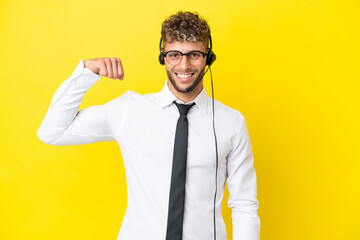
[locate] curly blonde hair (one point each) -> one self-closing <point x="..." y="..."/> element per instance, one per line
<point x="185" y="26"/>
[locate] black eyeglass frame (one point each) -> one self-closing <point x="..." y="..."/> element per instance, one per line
<point x="182" y="54"/>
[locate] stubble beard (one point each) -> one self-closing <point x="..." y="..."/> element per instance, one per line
<point x="196" y="82"/>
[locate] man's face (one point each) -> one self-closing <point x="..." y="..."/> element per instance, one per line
<point x="185" y="74"/>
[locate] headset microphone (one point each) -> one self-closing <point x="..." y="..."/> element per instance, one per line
<point x="188" y="89"/>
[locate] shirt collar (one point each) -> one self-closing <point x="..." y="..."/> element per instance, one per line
<point x="167" y="97"/>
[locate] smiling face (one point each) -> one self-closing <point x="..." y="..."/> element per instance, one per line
<point x="185" y="74"/>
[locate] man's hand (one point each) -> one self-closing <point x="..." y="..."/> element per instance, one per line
<point x="107" y="67"/>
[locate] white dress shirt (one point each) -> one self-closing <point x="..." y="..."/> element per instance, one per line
<point x="144" y="127"/>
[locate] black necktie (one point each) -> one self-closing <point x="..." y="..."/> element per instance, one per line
<point x="178" y="175"/>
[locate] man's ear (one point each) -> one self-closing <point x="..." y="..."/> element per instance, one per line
<point x="206" y="45"/>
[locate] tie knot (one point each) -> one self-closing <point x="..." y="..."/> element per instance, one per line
<point x="184" y="109"/>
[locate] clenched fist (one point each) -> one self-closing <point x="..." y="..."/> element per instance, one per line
<point x="107" y="67"/>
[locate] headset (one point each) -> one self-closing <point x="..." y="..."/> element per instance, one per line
<point x="210" y="58"/>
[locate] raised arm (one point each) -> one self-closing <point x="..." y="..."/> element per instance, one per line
<point x="242" y="185"/>
<point x="64" y="124"/>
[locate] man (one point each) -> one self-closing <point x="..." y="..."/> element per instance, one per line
<point x="162" y="145"/>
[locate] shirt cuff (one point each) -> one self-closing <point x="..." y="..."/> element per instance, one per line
<point x="89" y="78"/>
<point x="88" y="73"/>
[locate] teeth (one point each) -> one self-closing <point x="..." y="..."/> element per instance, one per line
<point x="184" y="76"/>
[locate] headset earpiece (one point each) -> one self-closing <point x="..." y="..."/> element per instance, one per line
<point x="161" y="59"/>
<point x="210" y="57"/>
<point x="161" y="55"/>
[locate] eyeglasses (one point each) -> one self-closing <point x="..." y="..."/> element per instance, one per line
<point x="174" y="57"/>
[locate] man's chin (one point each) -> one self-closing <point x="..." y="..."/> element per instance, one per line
<point x="182" y="87"/>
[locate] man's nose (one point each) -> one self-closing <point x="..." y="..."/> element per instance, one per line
<point x="184" y="63"/>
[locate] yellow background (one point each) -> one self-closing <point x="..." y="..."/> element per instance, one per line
<point x="290" y="67"/>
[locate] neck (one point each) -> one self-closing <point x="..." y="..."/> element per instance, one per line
<point x="186" y="97"/>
